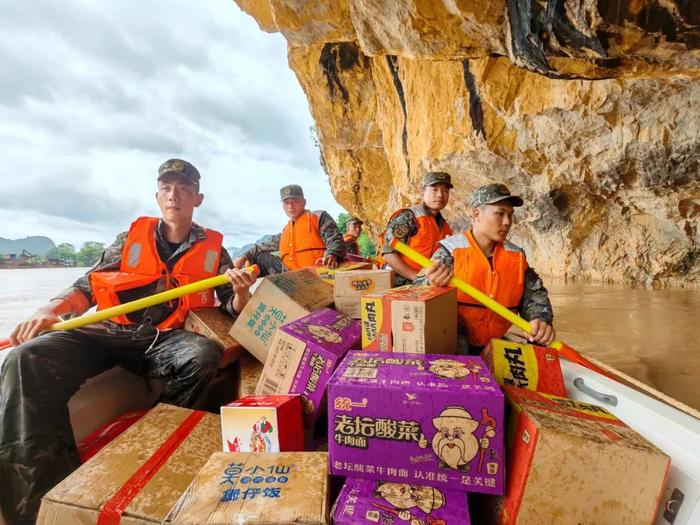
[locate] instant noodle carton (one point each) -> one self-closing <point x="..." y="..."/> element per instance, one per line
<point x="572" y="462"/>
<point x="410" y="319"/>
<point x="303" y="356"/>
<point x="279" y="299"/>
<point x="368" y="501"/>
<point x="350" y="286"/>
<point x="269" y="489"/>
<point x="525" y="366"/>
<point x="329" y="274"/>
<point x="263" y="424"/>
<point x="434" y="420"/>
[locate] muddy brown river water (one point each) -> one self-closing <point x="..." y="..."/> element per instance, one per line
<point x="651" y="335"/>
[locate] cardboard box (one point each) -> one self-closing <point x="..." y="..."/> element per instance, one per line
<point x="279" y="299"/>
<point x="525" y="366"/>
<point x="571" y="462"/>
<point x="420" y="320"/>
<point x="249" y="371"/>
<point x="303" y="356"/>
<point x="285" y="488"/>
<point x="263" y="424"/>
<point x="215" y="325"/>
<point x="433" y="420"/>
<point x="366" y="501"/>
<point x="193" y="437"/>
<point x="350" y="286"/>
<point x="329" y="274"/>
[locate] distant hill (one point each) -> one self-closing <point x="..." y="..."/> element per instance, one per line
<point x="234" y="251"/>
<point x="36" y="245"/>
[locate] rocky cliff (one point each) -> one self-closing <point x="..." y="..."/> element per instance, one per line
<point x="589" y="109"/>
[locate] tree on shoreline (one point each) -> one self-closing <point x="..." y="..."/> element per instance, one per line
<point x="88" y="254"/>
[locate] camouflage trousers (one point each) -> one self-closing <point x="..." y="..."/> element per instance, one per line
<point x="37" y="447"/>
<point x="269" y="264"/>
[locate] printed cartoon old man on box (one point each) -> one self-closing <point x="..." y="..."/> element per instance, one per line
<point x="433" y="420"/>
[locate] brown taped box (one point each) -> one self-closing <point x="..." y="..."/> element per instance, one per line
<point x="250" y="488"/>
<point x="572" y="462"/>
<point x="420" y="320"/>
<point x="280" y="299"/>
<point x="249" y="371"/>
<point x="80" y="497"/>
<point x="329" y="274"/>
<point x="215" y="324"/>
<point x="350" y="286"/>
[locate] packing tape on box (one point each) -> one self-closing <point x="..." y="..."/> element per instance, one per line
<point x="111" y="513"/>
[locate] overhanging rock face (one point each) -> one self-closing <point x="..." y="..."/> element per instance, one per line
<point x="590" y="110"/>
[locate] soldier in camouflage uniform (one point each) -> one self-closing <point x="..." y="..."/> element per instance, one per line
<point x="420" y="226"/>
<point x="486" y="260"/>
<point x="42" y="372"/>
<point x="308" y="239"/>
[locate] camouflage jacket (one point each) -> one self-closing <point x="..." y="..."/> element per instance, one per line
<point x="403" y="227"/>
<point x="535" y="302"/>
<point x="110" y="260"/>
<point x="328" y="230"/>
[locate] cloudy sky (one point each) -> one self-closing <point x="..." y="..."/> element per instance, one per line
<point x="96" y="94"/>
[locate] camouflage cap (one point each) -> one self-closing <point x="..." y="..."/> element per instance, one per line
<point x="353" y="220"/>
<point x="492" y="193"/>
<point x="437" y="177"/>
<point x="291" y="191"/>
<point x="179" y="167"/>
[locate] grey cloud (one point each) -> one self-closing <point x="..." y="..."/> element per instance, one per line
<point x="75" y="202"/>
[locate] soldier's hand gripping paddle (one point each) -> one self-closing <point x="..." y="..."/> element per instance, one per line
<point x="564" y="350"/>
<point x="140" y="304"/>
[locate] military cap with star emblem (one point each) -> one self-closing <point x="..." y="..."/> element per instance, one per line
<point x="179" y="167"/>
<point x="437" y="177"/>
<point x="291" y="191"/>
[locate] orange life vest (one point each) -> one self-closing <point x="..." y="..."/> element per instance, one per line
<point x="504" y="283"/>
<point x="141" y="265"/>
<point x="351" y="245"/>
<point x="425" y="239"/>
<point x="301" y="244"/>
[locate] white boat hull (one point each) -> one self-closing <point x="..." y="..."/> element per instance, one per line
<point x="675" y="432"/>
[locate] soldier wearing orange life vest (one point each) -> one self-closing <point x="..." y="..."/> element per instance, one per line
<point x="42" y="372"/>
<point x="353" y="231"/>
<point x="484" y="258"/>
<point x="310" y="238"/>
<point x="420" y="226"/>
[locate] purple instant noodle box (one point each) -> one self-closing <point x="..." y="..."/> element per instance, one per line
<point x="303" y="356"/>
<point x="422" y="419"/>
<point x="368" y="501"/>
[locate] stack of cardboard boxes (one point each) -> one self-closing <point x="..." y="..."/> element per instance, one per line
<point x="411" y="428"/>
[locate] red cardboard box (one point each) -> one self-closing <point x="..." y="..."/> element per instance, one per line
<point x="572" y="462"/>
<point x="525" y="366"/>
<point x="263" y="424"/>
<point x="420" y="320"/>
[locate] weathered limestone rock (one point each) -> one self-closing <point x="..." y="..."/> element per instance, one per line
<point x="591" y="110"/>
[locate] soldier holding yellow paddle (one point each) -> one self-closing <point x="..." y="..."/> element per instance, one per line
<point x="37" y="447"/>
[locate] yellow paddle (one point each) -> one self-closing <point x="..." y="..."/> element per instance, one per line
<point x="564" y="350"/>
<point x="139" y="304"/>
